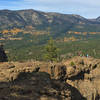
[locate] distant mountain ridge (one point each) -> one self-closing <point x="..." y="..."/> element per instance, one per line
<point x="39" y="20"/>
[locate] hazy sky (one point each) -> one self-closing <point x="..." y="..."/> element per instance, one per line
<point x="86" y="8"/>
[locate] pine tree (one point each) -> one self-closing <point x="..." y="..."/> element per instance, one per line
<point x="51" y="53"/>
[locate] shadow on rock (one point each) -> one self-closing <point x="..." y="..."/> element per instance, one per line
<point x="79" y="76"/>
<point x="38" y="86"/>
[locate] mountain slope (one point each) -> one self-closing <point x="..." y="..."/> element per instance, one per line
<point x="25" y="32"/>
<point x="41" y="20"/>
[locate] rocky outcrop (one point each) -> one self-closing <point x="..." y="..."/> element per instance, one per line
<point x="61" y="81"/>
<point x="37" y="86"/>
<point x="82" y="66"/>
<point x="84" y="75"/>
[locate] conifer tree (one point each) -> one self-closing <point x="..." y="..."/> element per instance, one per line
<point x="51" y="53"/>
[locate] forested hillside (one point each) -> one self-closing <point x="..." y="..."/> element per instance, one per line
<point x="24" y="34"/>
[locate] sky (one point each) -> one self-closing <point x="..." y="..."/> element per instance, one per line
<point x="85" y="8"/>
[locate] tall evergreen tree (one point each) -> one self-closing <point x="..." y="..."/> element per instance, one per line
<point x="51" y="53"/>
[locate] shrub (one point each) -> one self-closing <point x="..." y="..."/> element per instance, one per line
<point x="72" y="63"/>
